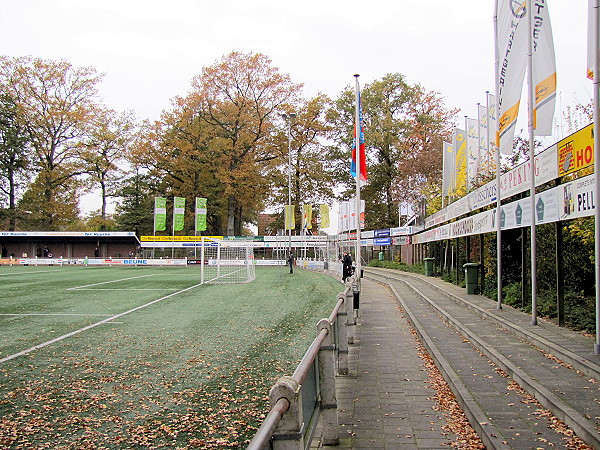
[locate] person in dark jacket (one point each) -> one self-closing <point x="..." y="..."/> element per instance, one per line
<point x="346" y="266"/>
<point x="291" y="259"/>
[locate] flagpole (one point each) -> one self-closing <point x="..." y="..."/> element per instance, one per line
<point x="596" y="39"/>
<point x="478" y="167"/>
<point x="358" y="172"/>
<point x="467" y="181"/>
<point x="173" y="232"/>
<point x="443" y="177"/>
<point x="498" y="198"/>
<point x="487" y="133"/>
<point x="530" y="108"/>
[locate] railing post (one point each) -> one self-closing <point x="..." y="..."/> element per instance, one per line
<point x="350" y="321"/>
<point x="327" y="386"/>
<point x="342" y="338"/>
<point x="289" y="433"/>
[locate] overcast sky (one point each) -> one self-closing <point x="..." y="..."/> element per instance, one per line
<point x="150" y="50"/>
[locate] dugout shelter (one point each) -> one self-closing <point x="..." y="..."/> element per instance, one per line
<point x="68" y="244"/>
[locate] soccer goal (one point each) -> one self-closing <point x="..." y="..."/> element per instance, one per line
<point x="226" y="262"/>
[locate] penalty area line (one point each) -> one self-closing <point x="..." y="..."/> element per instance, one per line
<point x="107" y="282"/>
<point x="93" y="325"/>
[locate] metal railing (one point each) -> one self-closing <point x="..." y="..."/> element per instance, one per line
<point x="300" y="401"/>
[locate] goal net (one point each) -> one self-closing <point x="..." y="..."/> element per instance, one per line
<point x="226" y="262"/>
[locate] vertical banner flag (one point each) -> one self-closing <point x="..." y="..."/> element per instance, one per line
<point x="201" y="212"/>
<point x="492" y="128"/>
<point x="484" y="154"/>
<point x="363" y="156"/>
<point x="459" y="144"/>
<point x="592" y="43"/>
<point x="324" y="212"/>
<point x="544" y="69"/>
<point x="449" y="173"/>
<point x="178" y="213"/>
<point x="362" y="213"/>
<point x="306" y="217"/>
<point x="345" y="215"/>
<point x="511" y="48"/>
<point x="472" y="151"/>
<point x="160" y="214"/>
<point x="352" y="214"/>
<point x="290" y="219"/>
<point x="492" y="119"/>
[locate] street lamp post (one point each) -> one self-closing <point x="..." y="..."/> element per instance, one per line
<point x="288" y="118"/>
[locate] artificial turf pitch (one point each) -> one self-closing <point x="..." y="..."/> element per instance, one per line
<point x="144" y="357"/>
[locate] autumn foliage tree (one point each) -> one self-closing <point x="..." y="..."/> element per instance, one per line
<point x="405" y="126"/>
<point x="241" y="96"/>
<point x="220" y="140"/>
<point x="56" y="103"/>
<point x="15" y="157"/>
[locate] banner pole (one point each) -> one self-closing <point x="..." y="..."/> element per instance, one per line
<point x="595" y="51"/>
<point x="531" y="124"/>
<point x="497" y="155"/>
<point x="358" y="172"/>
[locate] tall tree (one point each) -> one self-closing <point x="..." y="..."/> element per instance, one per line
<point x="405" y="126"/>
<point x="14" y="157"/>
<point x="177" y="149"/>
<point x="312" y="173"/>
<point x="57" y="103"/>
<point x="103" y="152"/>
<point x="135" y="211"/>
<point x="241" y="96"/>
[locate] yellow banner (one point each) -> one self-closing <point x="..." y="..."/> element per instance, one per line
<point x="324" y="216"/>
<point x="290" y="219"/>
<point x="175" y="238"/>
<point x="576" y="152"/>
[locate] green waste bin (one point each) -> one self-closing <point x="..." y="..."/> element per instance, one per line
<point x="429" y="266"/>
<point x="471" y="276"/>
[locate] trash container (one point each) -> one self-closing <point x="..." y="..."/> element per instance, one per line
<point x="471" y="276"/>
<point x="429" y="266"/>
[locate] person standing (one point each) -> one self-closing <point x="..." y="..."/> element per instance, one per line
<point x="291" y="260"/>
<point x="346" y="266"/>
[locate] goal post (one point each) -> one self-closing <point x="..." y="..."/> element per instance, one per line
<point x="225" y="262"/>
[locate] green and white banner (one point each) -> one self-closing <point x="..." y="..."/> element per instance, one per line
<point x="178" y="213"/>
<point x="200" y="214"/>
<point x="160" y="214"/>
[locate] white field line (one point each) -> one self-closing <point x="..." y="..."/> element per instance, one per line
<point x="123" y="289"/>
<point x="89" y="327"/>
<point x="57" y="314"/>
<point x="28" y="272"/>
<point x="107" y="282"/>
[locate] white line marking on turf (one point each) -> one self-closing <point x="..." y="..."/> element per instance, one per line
<point x="107" y="282"/>
<point x="122" y="289"/>
<point x="94" y="325"/>
<point x="29" y="272"/>
<point x="57" y="314"/>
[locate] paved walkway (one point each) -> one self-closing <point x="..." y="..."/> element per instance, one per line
<point x="387" y="402"/>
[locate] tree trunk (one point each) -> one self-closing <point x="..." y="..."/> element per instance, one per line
<point x="231" y="216"/>
<point x="11" y="202"/>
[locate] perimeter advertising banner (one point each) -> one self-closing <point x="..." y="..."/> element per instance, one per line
<point x="567" y="201"/>
<point x="576" y="151"/>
